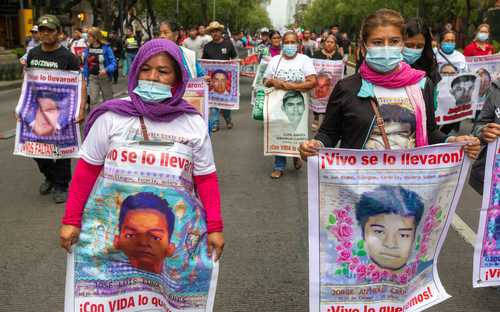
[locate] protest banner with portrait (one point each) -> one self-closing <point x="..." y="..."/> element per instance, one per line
<point x="487" y="247"/>
<point x="487" y="68"/>
<point x="457" y="97"/>
<point x="377" y="221"/>
<point x="285" y="121"/>
<point x="196" y="94"/>
<point x="259" y="76"/>
<point x="224" y="88"/>
<point x="143" y="241"/>
<point x="47" y="110"/>
<point x="328" y="74"/>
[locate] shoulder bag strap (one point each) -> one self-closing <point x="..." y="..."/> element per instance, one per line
<point x="380" y="123"/>
<point x="144" y="130"/>
<point x="448" y="60"/>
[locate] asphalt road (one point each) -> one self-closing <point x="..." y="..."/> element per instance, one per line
<point x="265" y="263"/>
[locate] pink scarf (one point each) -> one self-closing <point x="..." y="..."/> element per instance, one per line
<point x="408" y="78"/>
<point x="401" y="78"/>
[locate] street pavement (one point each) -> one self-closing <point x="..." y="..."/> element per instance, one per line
<point x="265" y="262"/>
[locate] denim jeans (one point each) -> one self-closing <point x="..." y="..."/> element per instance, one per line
<point x="279" y="163"/>
<point x="214" y="116"/>
<point x="130" y="59"/>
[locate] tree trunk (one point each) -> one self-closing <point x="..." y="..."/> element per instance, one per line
<point x="204" y="10"/>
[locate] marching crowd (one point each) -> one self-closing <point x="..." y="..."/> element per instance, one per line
<point x="388" y="103"/>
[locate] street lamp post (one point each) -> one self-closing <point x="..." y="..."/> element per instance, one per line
<point x="213" y="19"/>
<point x="177" y="9"/>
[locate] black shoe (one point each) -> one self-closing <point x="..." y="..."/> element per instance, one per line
<point x="59" y="196"/>
<point x="45" y="187"/>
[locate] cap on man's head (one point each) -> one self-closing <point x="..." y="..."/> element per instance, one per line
<point x="34" y="28"/>
<point x="49" y="21"/>
<point x="264" y="30"/>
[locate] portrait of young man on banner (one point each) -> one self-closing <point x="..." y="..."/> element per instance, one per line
<point x="329" y="73"/>
<point x="457" y="97"/>
<point x="285" y="119"/>
<point x="47" y="114"/>
<point x="224" y="92"/>
<point x="376" y="224"/>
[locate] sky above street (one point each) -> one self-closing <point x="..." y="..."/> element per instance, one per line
<point x="277" y="12"/>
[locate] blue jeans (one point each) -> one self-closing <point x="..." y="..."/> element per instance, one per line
<point x="279" y="163"/>
<point x="213" y="119"/>
<point x="130" y="59"/>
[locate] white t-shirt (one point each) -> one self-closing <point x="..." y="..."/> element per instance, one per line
<point x="195" y="45"/>
<point x="456" y="58"/>
<point x="399" y="120"/>
<point x="111" y="129"/>
<point x="290" y="70"/>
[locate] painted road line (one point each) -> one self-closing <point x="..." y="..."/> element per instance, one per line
<point x="463" y="230"/>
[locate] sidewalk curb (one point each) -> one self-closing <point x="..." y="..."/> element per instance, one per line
<point x="11" y="85"/>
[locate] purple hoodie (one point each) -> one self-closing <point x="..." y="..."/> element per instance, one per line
<point x="165" y="111"/>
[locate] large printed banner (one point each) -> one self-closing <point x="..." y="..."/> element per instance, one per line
<point x="224" y="89"/>
<point x="197" y="95"/>
<point x="487" y="68"/>
<point x="143" y="242"/>
<point x="487" y="248"/>
<point x="457" y="98"/>
<point x="259" y="76"/>
<point x="48" y="107"/>
<point x="377" y="221"/>
<point x="329" y="73"/>
<point x="285" y="122"/>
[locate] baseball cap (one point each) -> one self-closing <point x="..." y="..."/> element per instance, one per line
<point x="49" y="21"/>
<point x="264" y="30"/>
<point x="34" y="28"/>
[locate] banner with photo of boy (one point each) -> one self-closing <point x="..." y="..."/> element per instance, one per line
<point x="487" y="68"/>
<point x="285" y="121"/>
<point x="196" y="94"/>
<point x="47" y="110"/>
<point x="224" y="88"/>
<point x="259" y="75"/>
<point x="487" y="247"/>
<point x="377" y="222"/>
<point x="329" y="73"/>
<point x="143" y="242"/>
<point x="457" y="97"/>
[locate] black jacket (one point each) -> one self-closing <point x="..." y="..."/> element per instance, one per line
<point x="489" y="114"/>
<point x="350" y="119"/>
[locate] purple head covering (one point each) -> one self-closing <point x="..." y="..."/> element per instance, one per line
<point x="167" y="110"/>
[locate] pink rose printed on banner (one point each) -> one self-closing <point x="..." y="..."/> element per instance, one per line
<point x="352" y="257"/>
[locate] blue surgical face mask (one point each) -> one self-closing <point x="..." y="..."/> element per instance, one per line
<point x="482" y="36"/>
<point x="85" y="35"/>
<point x="383" y="59"/>
<point x="410" y="56"/>
<point x="290" y="49"/>
<point x="448" y="47"/>
<point x="151" y="91"/>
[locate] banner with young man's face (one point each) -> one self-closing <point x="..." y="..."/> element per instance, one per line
<point x="457" y="97"/>
<point x="143" y="241"/>
<point x="487" y="68"/>
<point x="377" y="220"/>
<point x="329" y="73"/>
<point x="487" y="247"/>
<point x="47" y="109"/>
<point x="285" y="121"/>
<point x="224" y="89"/>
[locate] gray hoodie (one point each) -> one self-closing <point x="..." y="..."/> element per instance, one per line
<point x="489" y="114"/>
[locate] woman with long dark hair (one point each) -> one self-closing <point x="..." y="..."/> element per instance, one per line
<point x="418" y="51"/>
